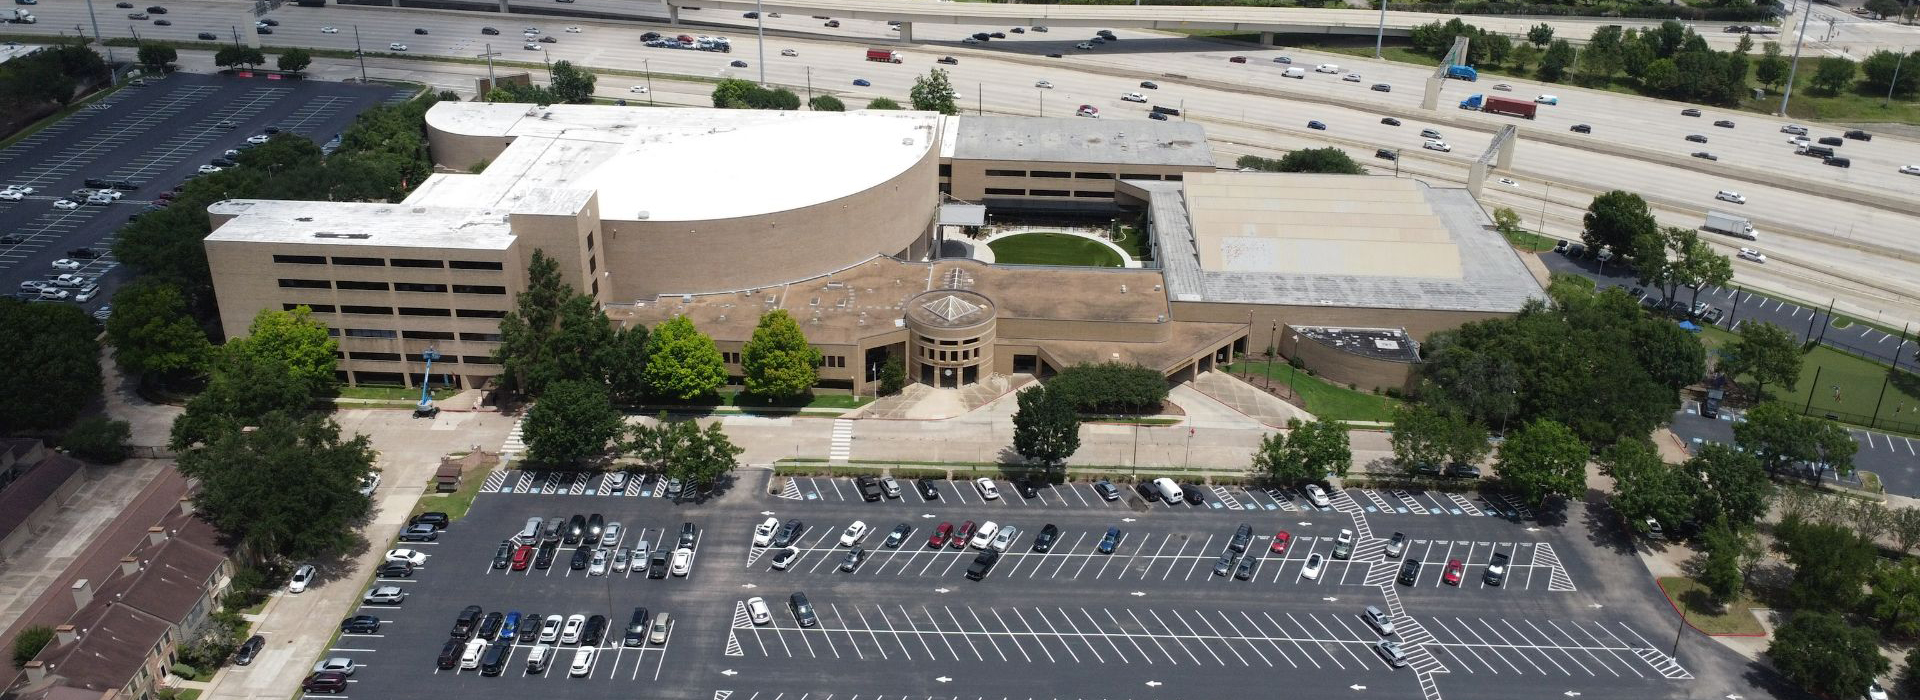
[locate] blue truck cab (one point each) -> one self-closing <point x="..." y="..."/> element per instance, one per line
<point x="1472" y="102"/>
<point x="1466" y="73"/>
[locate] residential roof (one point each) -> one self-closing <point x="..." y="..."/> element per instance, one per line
<point x="114" y="642"/>
<point x="39" y="482"/>
<point x="1081" y="140"/>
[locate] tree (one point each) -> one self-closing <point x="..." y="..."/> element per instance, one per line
<point x="295" y="60"/>
<point x="153" y="332"/>
<point x="570" y="83"/>
<point x="1883" y="8"/>
<point x="1306" y="160"/>
<point x="1720" y="572"/>
<point x="1616" y="219"/>
<point x="777" y="361"/>
<point x="882" y="103"/>
<point x="1778" y="437"/>
<point x="1046" y="429"/>
<point x="1522" y="56"/>
<point x="1554" y="63"/>
<point x="1644" y="486"/>
<point x="1895" y="599"/>
<point x="1830" y="563"/>
<point x="1832" y="74"/>
<point x="157" y="58"/>
<point x="1696" y="263"/>
<point x="52" y="368"/>
<point x="893" y="375"/>
<point x="1635" y="54"/>
<point x="1767" y="353"/>
<point x="1543" y="459"/>
<point x="1903" y="525"/>
<point x="826" y="103"/>
<point x="1728" y="487"/>
<point x="241" y="387"/>
<point x="1507" y="220"/>
<point x="1110" y="387"/>
<point x="1771" y="70"/>
<point x="1601" y="58"/>
<point x="572" y="421"/>
<point x="1823" y="654"/>
<point x="527" y="331"/>
<point x="98" y="439"/>
<point x="296" y="342"/>
<point x="932" y="93"/>
<point x="708" y="455"/>
<point x="1540" y="34"/>
<point x="732" y="93"/>
<point x="1424" y="436"/>
<point x="229" y="56"/>
<point x="1886" y="68"/>
<point x="682" y="362"/>
<point x="1305" y="452"/>
<point x="289" y="488"/>
<point x="29" y="642"/>
<point x="626" y="358"/>
<point x="1745" y="44"/>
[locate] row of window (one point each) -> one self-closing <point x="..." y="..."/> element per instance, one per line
<point x="416" y="357"/>
<point x="386" y="334"/>
<point x="384" y="262"/>
<point x="938" y="355"/>
<point x="1064" y="175"/>
<point x="733" y="358"/>
<point x="393" y="286"/>
<point x="1048" y="193"/>
<point x="403" y="311"/>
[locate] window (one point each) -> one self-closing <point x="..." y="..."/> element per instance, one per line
<point x="478" y="289"/>
<point x="370" y="333"/>
<point x="1051" y="173"/>
<point x="306" y="284"/>
<point x="1048" y="193"/>
<point x="1093" y="176"/>
<point x="426" y="335"/>
<point x="474" y="265"/>
<point x="417" y="357"/>
<point x="836" y="361"/>
<point x="478" y="360"/>
<point x="418" y="311"/>
<point x="369" y="310"/>
<point x="595" y="290"/>
<point x="593" y="264"/>
<point x="1006" y="173"/>
<point x="418" y="287"/>
<point x="1003" y="190"/>
<point x="379" y="356"/>
<point x="366" y="286"/>
<point x="946" y="170"/>
<point x="481" y="337"/>
<point x="1175" y="177"/>
<point x="333" y="333"/>
<point x="416" y="262"/>
<point x="1096" y="195"/>
<point x="301" y="259"/>
<point x="949" y="342"/>
<point x="316" y="308"/>
<point x="479" y="313"/>
<point x="732" y="358"/>
<point x="589" y="241"/>
<point x="368" y="262"/>
<point x="1139" y="176"/>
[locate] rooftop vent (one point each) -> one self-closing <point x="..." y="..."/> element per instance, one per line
<point x="686" y="298"/>
<point x="303" y="218"/>
<point x="350" y="236"/>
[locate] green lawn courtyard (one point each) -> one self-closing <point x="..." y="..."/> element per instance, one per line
<point x="1324" y="399"/>
<point x="1053" y="249"/>
<point x="1847" y="386"/>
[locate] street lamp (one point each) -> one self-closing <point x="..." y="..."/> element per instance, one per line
<point x="649" y="68"/>
<point x="760" y="28"/>
<point x="1896" y="73"/>
<point x="96" y="31"/>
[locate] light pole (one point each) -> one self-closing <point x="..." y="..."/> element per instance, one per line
<point x="1041" y="95"/>
<point x="649" y="68"/>
<point x="362" y="55"/>
<point x="1380" y="34"/>
<point x="1896" y="75"/>
<point x="1794" y="66"/>
<point x="96" y="31"/>
<point x="490" y="53"/>
<point x="1543" y="207"/>
<point x="760" y="29"/>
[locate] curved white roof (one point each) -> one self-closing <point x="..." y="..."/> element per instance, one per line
<point x="676" y="164"/>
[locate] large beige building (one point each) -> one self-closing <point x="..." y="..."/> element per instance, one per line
<point x="721" y="215"/>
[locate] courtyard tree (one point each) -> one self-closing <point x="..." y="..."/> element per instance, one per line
<point x="1765" y="352"/>
<point x="1644" y="486"/>
<point x="1540" y="34"/>
<point x="526" y="331"/>
<point x="573" y="421"/>
<point x="1306" y="451"/>
<point x="570" y="83"/>
<point x="1615" y="219"/>
<point x="1895" y="598"/>
<point x="1110" y="387"/>
<point x="294" y="60"/>
<point x="777" y="361"/>
<point x="682" y="363"/>
<point x="153" y="332"/>
<point x="1424" y="435"/>
<point x="288" y="489"/>
<point x="156" y="58"/>
<point x="1543" y="459"/>
<point x="52" y="367"/>
<point x="296" y="342"/>
<point x="1771" y="69"/>
<point x="1779" y="437"/>
<point x="1046" y="429"/>
<point x="1728" y="486"/>
<point x="933" y="92"/>
<point x="1826" y="656"/>
<point x="1833" y="74"/>
<point x="1720" y="571"/>
<point x="1831" y="563"/>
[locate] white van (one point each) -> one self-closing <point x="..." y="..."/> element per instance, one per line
<point x="1300" y="73"/>
<point x="538" y="660"/>
<point x="1326" y="68"/>
<point x="531" y="533"/>
<point x="1169" y="490"/>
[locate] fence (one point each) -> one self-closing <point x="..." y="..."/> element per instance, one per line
<point x="1864" y="420"/>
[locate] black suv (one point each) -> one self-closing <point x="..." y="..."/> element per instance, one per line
<point x="576" y="526"/>
<point x="87" y="253"/>
<point x="582" y="555"/>
<point x="503" y="556"/>
<point x="360" y="624"/>
<point x="927" y="489"/>
<point x="490" y="625"/>
<point x="1241" y="538"/>
<point x="395" y="569"/>
<point x="544" y="558"/>
<point x="1026" y="487"/>
<point x="450" y="654"/>
<point x="434" y="518"/>
<point x="1043" y="542"/>
<point x="788" y="533"/>
<point x="869" y="488"/>
<point x="982" y="564"/>
<point x="1409" y="571"/>
<point x="596" y="628"/>
<point x="468" y="619"/>
<point x="688" y="534"/>
<point x="98" y="183"/>
<point x="803" y="611"/>
<point x="636" y="629"/>
<point x="595" y="525"/>
<point x="657" y="564"/>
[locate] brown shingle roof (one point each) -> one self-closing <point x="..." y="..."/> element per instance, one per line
<point x="114" y="643"/>
<point x="26" y="493"/>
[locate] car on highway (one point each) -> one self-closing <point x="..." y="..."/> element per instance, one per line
<point x="1382" y="87"/>
<point x="1055" y="55"/>
<point x="397" y="46"/>
<point x="302" y="578"/>
<point x="573" y="30"/>
<point x="1753" y="255"/>
<point x="208" y="36"/>
<point x="1235" y="59"/>
<point x="1288" y="60"/>
<point x="1351" y="78"/>
<point x="1794" y="129"/>
<point x="862" y="82"/>
<point x="1311" y="570"/>
<point x="853" y="534"/>
<point x="1689" y="112"/>
<point x="1546" y="100"/>
<point x="1316" y="124"/>
<point x="947" y="60"/>
<point x="1697" y="138"/>
<point x="1437" y="145"/>
<point x="1318" y="496"/>
<point x="987" y="488"/>
<point x="1133" y="97"/>
<point x="136" y="15"/>
<point x="738" y="64"/>
<point x="1389" y="121"/>
<point x="422" y="31"/>
<point x="1503" y="87"/>
<point x="1730" y="196"/>
<point x="1581" y="129"/>
<point x="1910" y="170"/>
<point x="1703" y="155"/>
<point x="1089" y="111"/>
<point x="1858" y="135"/>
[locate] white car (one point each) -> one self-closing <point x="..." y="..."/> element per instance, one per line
<point x="383" y="595"/>
<point x="530" y="46"/>
<point x="204" y="169"/>
<point x="621" y="558"/>
<point x="1345" y="537"/>
<point x="1047" y="84"/>
<point x="1318" y="496"/>
<point x="550" y="628"/>
<point x="570" y="632"/>
<point x="302" y="577"/>
<point x="599" y="565"/>
<point x="763" y="533"/>
<point x="336" y="664"/>
<point x="1352" y="78"/>
<point x="1794" y="129"/>
<point x="1546" y="100"/>
<point x="1312" y="570"/>
<point x="610" y="535"/>
<point x="1437" y="145"/>
<point x="638" y="89"/>
<point x="1754" y="255"/>
<point x="983" y="536"/>
<point x="1083" y="46"/>
<point x="582" y="662"/>
<point x="1730" y="196"/>
<point x="1503" y="87"/>
<point x="784" y="557"/>
<point x="1509" y="182"/>
<point x="258" y="139"/>
<point x="87" y="294"/>
<point x="757" y="609"/>
<point x="1910" y="169"/>
<point x="1799" y="142"/>
<point x="12" y="195"/>
<point x="329" y="30"/>
<point x="1875" y="692"/>
<point x="854" y="533"/>
<point x="17" y="188"/>
<point x="66" y="264"/>
<point x="1004" y="538"/>
<point x="471" y="657"/>
<point x="397" y="46"/>
<point x="789" y="52"/>
<point x="368" y="484"/>
<point x="573" y="30"/>
<point x="1133" y="97"/>
<point x="682" y="561"/>
<point x="110" y="193"/>
<point x="987" y="489"/>
<point x="407" y="555"/>
<point x="70" y="204"/>
<point x="1326" y="68"/>
<point x="54" y="294"/>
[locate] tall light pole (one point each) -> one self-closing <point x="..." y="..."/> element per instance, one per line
<point x="489" y="56"/>
<point x="1794" y="66"/>
<point x="649" y="69"/>
<point x="362" y="55"/>
<point x="760" y="27"/>
<point x="1896" y="76"/>
<point x="1380" y="34"/>
<point x="96" y="31"/>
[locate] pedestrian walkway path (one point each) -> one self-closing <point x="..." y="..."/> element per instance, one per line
<point x="842" y="445"/>
<point x="1248" y="399"/>
<point x="515" y="445"/>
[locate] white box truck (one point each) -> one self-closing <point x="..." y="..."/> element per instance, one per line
<point x="1736" y="226"/>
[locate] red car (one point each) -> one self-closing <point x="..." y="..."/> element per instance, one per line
<point x="940" y="535"/>
<point x="325" y="682"/>
<point x="1280" y="542"/>
<point x="1454" y="569"/>
<point x="522" y="557"/>
<point x="963" y="534"/>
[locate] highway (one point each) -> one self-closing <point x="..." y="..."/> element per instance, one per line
<point x="1819" y="247"/>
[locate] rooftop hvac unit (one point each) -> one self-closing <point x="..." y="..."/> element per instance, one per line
<point x="686" y="298"/>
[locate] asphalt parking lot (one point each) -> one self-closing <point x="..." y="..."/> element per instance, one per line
<point x="156" y="137"/>
<point x="1151" y="619"/>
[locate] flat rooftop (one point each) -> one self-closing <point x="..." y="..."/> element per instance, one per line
<point x="1378" y="343"/>
<point x="1081" y="140"/>
<point x="1359" y="241"/>
<point x="361" y="224"/>
<point x="678" y="164"/>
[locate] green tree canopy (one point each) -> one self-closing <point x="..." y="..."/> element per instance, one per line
<point x="1540" y="34"/>
<point x="1045" y="427"/>
<point x="156" y="58"/>
<point x="1306" y="160"/>
<point x="1771" y="69"/>
<point x="296" y="342"/>
<point x="1110" y="387"/>
<point x="295" y="60"/>
<point x="1778" y="436"/>
<point x="1833" y="74"/>
<point x="1721" y="570"/>
<point x="1554" y="63"/>
<point x="1543" y="459"/>
<point x="682" y="362"/>
<point x="153" y="332"/>
<point x="287" y="489"/>
<point x="1765" y="352"/>
<point x="526" y="333"/>
<point x="1305" y="452"/>
<point x="826" y="103"/>
<point x="1831" y="563"/>
<point x="1429" y="436"/>
<point x="29" y="642"/>
<point x="570" y="83"/>
<point x="932" y="92"/>
<point x="1615" y="219"/>
<point x="572" y="421"/>
<point x="1644" y="486"/>
<point x="882" y="103"/>
<point x="777" y="361"/>
<point x="1824" y="655"/>
<point x="241" y="388"/>
<point x="1895" y="598"/>
<point x="1728" y="487"/>
<point x="1885" y="68"/>
<point x="52" y="367"/>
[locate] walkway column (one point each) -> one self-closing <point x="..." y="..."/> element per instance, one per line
<point x="1504" y="159"/>
<point x="503" y="6"/>
<point x="1266" y="38"/>
<point x="1430" y="100"/>
<point x="906" y="32"/>
<point x="673" y="14"/>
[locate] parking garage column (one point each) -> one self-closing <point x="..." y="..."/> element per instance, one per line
<point x="673" y="14"/>
<point x="1266" y="38"/>
<point x="906" y="32"/>
<point x="503" y="6"/>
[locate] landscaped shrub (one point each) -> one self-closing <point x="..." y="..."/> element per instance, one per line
<point x="1111" y="387"/>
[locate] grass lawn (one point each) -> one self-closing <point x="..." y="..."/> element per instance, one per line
<point x="1134" y="241"/>
<point x="1859" y="381"/>
<point x="735" y="397"/>
<point x="454" y="504"/>
<point x="1692" y="599"/>
<point x="1531" y="242"/>
<point x="1325" y="399"/>
<point x="393" y="393"/>
<point x="1053" y="249"/>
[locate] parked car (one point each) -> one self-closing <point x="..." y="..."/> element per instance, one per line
<point x="249" y="649"/>
<point x="302" y="578"/>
